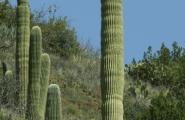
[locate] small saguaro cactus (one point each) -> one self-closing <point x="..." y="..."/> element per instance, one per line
<point x="6" y="85"/>
<point x="10" y="83"/>
<point x="53" y="105"/>
<point x="34" y="74"/>
<point x="44" y="82"/>
<point x="112" y="63"/>
<point x="22" y="51"/>
<point x="9" y="75"/>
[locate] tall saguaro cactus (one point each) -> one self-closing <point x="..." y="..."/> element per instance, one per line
<point x="22" y="50"/>
<point x="112" y="63"/>
<point x="44" y="82"/>
<point x="34" y="74"/>
<point x="53" y="106"/>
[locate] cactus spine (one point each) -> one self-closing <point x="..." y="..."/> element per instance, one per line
<point x="53" y="106"/>
<point x="34" y="74"/>
<point x="112" y="71"/>
<point x="44" y="81"/>
<point x="22" y="51"/>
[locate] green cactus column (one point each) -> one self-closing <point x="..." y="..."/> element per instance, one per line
<point x="22" y="51"/>
<point x="44" y="82"/>
<point x="53" y="106"/>
<point x="112" y="63"/>
<point x="34" y="74"/>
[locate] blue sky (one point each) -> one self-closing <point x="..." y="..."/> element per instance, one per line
<point x="147" y="22"/>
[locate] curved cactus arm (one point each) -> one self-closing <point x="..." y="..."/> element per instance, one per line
<point x="34" y="74"/>
<point x="112" y="63"/>
<point x="44" y="82"/>
<point x="53" y="106"/>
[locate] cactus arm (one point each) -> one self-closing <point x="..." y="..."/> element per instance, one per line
<point x="44" y="82"/>
<point x="53" y="106"/>
<point x="34" y="74"/>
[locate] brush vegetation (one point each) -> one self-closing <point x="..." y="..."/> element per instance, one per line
<point x="70" y="70"/>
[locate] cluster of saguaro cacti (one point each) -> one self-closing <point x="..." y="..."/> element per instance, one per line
<point x="32" y="67"/>
<point x="112" y="71"/>
<point x="22" y="51"/>
<point x="38" y="78"/>
<point x="39" y="70"/>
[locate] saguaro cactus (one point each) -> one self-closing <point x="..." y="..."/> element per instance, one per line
<point x="112" y="71"/>
<point x="9" y="83"/>
<point x="22" y="51"/>
<point x="53" y="106"/>
<point x="34" y="74"/>
<point x="5" y="88"/>
<point x="44" y="81"/>
<point x="9" y="75"/>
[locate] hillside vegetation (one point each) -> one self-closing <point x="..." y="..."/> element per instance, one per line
<point x="75" y="65"/>
<point x="154" y="85"/>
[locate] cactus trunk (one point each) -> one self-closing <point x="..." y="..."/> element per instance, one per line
<point x="44" y="82"/>
<point x="112" y="60"/>
<point x="53" y="106"/>
<point x="22" y="51"/>
<point x="34" y="74"/>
